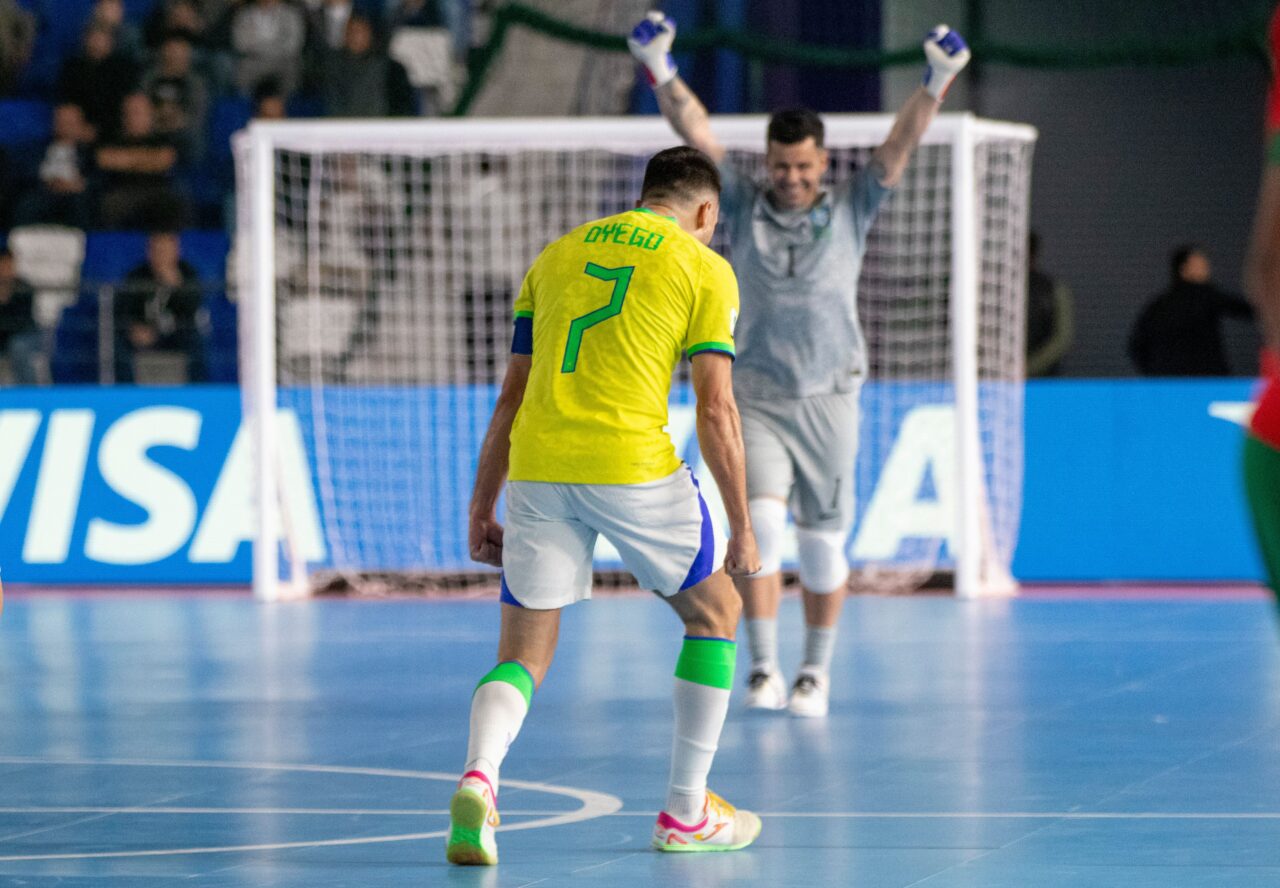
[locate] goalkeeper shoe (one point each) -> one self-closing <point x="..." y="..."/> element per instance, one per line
<point x="810" y="695"/>
<point x="473" y="816"/>
<point x="722" y="828"/>
<point x="765" y="690"/>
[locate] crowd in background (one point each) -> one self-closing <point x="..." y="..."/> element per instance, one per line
<point x="141" y="108"/>
<point x="138" y="107"/>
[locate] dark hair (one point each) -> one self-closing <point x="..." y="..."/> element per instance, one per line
<point x="791" y="126"/>
<point x="1179" y="257"/>
<point x="681" y="174"/>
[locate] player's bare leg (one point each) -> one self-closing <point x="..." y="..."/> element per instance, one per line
<point x="525" y="649"/>
<point x="696" y="819"/>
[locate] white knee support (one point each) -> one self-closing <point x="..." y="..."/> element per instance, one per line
<point x="769" y="521"/>
<point x="824" y="568"/>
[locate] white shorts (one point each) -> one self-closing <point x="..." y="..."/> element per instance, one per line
<point x="661" y="528"/>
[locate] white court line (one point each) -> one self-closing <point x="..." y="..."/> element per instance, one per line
<point x="818" y="815"/>
<point x="594" y="804"/>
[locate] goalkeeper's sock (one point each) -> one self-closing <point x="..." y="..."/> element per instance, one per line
<point x="819" y="644"/>
<point x="498" y="708"/>
<point x="762" y="639"/>
<point x="704" y="675"/>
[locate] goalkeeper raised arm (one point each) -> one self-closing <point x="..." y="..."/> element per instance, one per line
<point x="797" y="248"/>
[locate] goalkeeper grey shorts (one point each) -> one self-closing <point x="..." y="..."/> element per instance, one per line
<point x="803" y="451"/>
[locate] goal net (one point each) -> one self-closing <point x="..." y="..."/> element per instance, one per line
<point x="378" y="265"/>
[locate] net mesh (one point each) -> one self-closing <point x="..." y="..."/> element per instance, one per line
<point x="395" y="276"/>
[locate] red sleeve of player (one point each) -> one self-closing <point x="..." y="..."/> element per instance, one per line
<point x="1265" y="424"/>
<point x="1273" y="94"/>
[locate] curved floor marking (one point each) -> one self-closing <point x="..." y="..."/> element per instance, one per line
<point x="594" y="804"/>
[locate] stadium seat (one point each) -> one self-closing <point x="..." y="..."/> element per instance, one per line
<point x="26" y="121"/>
<point x="49" y="257"/>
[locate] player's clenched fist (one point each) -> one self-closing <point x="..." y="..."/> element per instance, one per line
<point x="650" y="42"/>
<point x="743" y="558"/>
<point x="485" y="538"/>
<point x="946" y="54"/>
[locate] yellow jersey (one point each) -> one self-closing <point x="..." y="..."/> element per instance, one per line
<point x="606" y="311"/>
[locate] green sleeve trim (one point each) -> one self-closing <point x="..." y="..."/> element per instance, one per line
<point x="513" y="674"/>
<point x="707" y="661"/>
<point x="524" y="314"/>
<point x="726" y="347"/>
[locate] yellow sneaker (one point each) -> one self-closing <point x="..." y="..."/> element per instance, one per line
<point x="473" y="817"/>
<point x="722" y="828"/>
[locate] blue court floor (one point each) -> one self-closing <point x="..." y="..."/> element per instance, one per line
<point x="1033" y="743"/>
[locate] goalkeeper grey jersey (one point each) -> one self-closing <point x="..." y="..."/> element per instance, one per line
<point x="798" y="333"/>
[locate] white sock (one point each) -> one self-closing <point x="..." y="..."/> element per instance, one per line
<point x="497" y="712"/>
<point x="819" y="644"/>
<point x="762" y="639"/>
<point x="700" y="713"/>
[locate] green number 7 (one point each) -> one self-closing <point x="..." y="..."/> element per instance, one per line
<point x="621" y="278"/>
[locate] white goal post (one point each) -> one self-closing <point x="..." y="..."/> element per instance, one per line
<point x="376" y="261"/>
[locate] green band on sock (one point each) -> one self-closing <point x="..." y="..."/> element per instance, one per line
<point x="513" y="674"/>
<point x="707" y="661"/>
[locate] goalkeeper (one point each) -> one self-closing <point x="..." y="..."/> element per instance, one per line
<point x="797" y="249"/>
<point x="1262" y="445"/>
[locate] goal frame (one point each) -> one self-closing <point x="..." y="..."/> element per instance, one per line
<point x="977" y="571"/>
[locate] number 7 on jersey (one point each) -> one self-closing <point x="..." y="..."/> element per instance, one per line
<point x="621" y="278"/>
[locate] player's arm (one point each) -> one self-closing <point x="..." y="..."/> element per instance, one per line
<point x="650" y="43"/>
<point x="720" y="438"/>
<point x="484" y="533"/>
<point x="1262" y="269"/>
<point x="946" y="54"/>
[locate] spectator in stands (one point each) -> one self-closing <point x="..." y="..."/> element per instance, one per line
<point x="1179" y="332"/>
<point x="128" y="39"/>
<point x="158" y="307"/>
<point x="361" y="80"/>
<point x="17" y="33"/>
<point x="185" y="17"/>
<point x="1049" y="316"/>
<point x="138" y="190"/>
<point x="179" y="95"/>
<point x="270" y="102"/>
<point x="328" y="21"/>
<point x="98" y="80"/>
<point x="21" y="340"/>
<point x="61" y="195"/>
<point x="268" y="37"/>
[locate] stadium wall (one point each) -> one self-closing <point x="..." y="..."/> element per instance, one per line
<point x="1125" y="480"/>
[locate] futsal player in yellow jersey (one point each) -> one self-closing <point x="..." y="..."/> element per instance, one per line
<point x="602" y="319"/>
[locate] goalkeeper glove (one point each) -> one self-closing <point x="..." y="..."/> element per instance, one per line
<point x="946" y="54"/>
<point x="650" y="42"/>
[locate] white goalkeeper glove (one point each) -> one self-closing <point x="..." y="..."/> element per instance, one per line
<point x="650" y="42"/>
<point x="946" y="54"/>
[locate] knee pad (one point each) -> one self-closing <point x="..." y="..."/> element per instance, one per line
<point x="824" y="568"/>
<point x="769" y="521"/>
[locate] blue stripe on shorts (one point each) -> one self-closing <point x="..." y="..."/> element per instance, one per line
<point x="507" y="597"/>
<point x="704" y="562"/>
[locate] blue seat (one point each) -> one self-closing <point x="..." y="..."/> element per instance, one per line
<point x="26" y="121"/>
<point x="138" y="10"/>
<point x="59" y="34"/>
<point x="75" y="342"/>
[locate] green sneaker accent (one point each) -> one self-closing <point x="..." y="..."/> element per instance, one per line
<point x="468" y="843"/>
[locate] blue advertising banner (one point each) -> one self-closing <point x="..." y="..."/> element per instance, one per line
<point x="1124" y="480"/>
<point x="1135" y="479"/>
